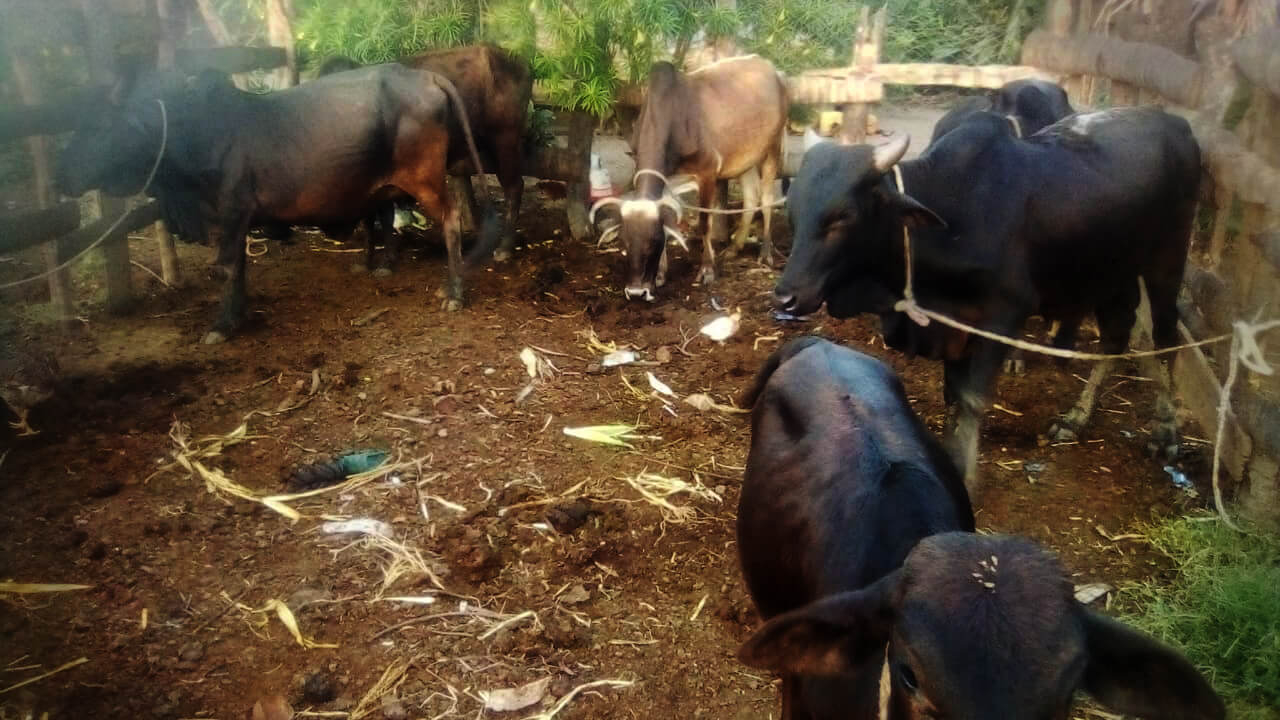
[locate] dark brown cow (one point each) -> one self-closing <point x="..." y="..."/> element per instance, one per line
<point x="324" y="153"/>
<point x="714" y="123"/>
<point x="496" y="88"/>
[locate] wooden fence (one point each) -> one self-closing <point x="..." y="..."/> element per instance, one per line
<point x="1234" y="271"/>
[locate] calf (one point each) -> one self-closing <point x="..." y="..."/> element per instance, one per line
<point x="1064" y="223"/>
<point x="324" y="153"/>
<point x="1031" y="105"/>
<point x="854" y="532"/>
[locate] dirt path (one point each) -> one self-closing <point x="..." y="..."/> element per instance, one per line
<point x="511" y="515"/>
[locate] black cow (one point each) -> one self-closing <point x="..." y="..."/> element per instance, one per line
<point x="324" y="153"/>
<point x="1063" y="224"/>
<point x="1031" y="105"/>
<point x="853" y="531"/>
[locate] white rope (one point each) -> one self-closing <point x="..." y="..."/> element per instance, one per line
<point x="710" y="211"/>
<point x="164" y="140"/>
<point x="1245" y="350"/>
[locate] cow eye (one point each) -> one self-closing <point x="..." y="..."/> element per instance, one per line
<point x="908" y="677"/>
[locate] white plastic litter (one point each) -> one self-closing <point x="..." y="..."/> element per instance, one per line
<point x="518" y="698"/>
<point x="358" y="526"/>
<point x="660" y="386"/>
<point x="619" y="357"/>
<point x="723" y="328"/>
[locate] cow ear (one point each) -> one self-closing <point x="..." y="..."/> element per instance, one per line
<point x="914" y="214"/>
<point x="1136" y="675"/>
<point x="827" y="637"/>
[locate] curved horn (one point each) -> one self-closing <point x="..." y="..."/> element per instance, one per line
<point x="591" y="216"/>
<point x="886" y="156"/>
<point x="676" y="237"/>
<point x="669" y="201"/>
<point x="609" y="234"/>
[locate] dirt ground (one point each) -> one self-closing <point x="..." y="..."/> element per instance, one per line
<point x="549" y="563"/>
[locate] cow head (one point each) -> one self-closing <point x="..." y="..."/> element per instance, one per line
<point x="846" y="221"/>
<point x="1036" y="103"/>
<point x="644" y="226"/>
<point x="983" y="627"/>
<point x="111" y="150"/>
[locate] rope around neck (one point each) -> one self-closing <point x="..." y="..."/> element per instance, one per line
<point x="1245" y="350"/>
<point x="710" y="211"/>
<point x="164" y="141"/>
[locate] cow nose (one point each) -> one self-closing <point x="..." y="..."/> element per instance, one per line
<point x="786" y="302"/>
<point x="639" y="293"/>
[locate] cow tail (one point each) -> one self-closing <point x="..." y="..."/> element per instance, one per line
<point x="490" y="227"/>
<point x="781" y="355"/>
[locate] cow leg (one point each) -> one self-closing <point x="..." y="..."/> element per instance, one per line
<point x="359" y="267"/>
<point x="768" y="175"/>
<point x="386" y="233"/>
<point x="1115" y="321"/>
<point x="661" y="278"/>
<point x="708" y="194"/>
<point x="719" y="222"/>
<point x="510" y="175"/>
<point x="1163" y="301"/>
<point x="750" y="181"/>
<point x="967" y="385"/>
<point x="232" y="258"/>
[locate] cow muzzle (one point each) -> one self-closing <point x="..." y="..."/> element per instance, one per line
<point x="639" y="292"/>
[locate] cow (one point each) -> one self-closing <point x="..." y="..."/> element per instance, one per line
<point x="855" y="538"/>
<point x="496" y="88"/>
<point x="1070" y="221"/>
<point x="326" y="152"/>
<point x="1031" y="105"/>
<point x="713" y="123"/>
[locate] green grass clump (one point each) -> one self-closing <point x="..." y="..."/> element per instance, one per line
<point x="1222" y="609"/>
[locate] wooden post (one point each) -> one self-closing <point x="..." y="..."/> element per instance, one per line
<point x="280" y="34"/>
<point x="166" y="57"/>
<point x="867" y="39"/>
<point x="61" y="293"/>
<point x="1060" y="19"/>
<point x="101" y="56"/>
<point x="581" y="130"/>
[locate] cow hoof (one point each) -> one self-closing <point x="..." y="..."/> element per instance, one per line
<point x="706" y="276"/>
<point x="501" y="255"/>
<point x="359" y="268"/>
<point x="452" y="305"/>
<point x="765" y="258"/>
<point x="1064" y="431"/>
<point x="1163" y="445"/>
<point x="1015" y="366"/>
<point x="213" y="337"/>
<point x="382" y="272"/>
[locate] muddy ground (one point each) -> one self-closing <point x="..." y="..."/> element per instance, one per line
<point x="508" y="513"/>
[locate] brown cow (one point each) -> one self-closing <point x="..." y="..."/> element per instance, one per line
<point x="714" y="123"/>
<point x="496" y="89"/>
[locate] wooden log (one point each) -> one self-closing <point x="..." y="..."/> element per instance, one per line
<point x="1256" y="57"/>
<point x="25" y="230"/>
<point x="1233" y="166"/>
<point x="54" y="116"/>
<point x="137" y="218"/>
<point x="967" y="76"/>
<point x="231" y="59"/>
<point x="1148" y="67"/>
<point x="581" y="129"/>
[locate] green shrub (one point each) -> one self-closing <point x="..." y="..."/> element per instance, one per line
<point x="1222" y="609"/>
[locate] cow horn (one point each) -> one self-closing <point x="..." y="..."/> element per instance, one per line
<point x="886" y="156"/>
<point x="676" y="237"/>
<point x="669" y="201"/>
<point x="591" y="216"/>
<point x="609" y="234"/>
